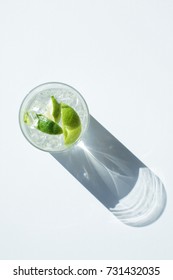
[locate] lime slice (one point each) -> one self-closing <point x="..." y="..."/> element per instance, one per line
<point x="26" y="118"/>
<point x="71" y="124"/>
<point x="48" y="126"/>
<point x="53" y="110"/>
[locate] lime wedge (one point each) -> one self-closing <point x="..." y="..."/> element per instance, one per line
<point x="53" y="110"/>
<point x="71" y="124"/>
<point x="48" y="126"/>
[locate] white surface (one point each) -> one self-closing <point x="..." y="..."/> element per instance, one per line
<point x="118" y="54"/>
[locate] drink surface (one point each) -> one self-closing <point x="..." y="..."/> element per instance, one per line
<point x="37" y="101"/>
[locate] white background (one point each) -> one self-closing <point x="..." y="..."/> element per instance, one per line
<point x="119" y="55"/>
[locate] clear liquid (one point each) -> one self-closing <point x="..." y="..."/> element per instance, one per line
<point x="38" y="104"/>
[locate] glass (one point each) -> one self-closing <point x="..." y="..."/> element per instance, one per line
<point x="37" y="100"/>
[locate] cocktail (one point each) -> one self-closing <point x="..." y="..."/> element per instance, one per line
<point x="53" y="117"/>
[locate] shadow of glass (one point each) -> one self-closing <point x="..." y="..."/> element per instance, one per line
<point x="118" y="179"/>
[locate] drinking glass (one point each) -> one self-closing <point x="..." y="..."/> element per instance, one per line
<point x="37" y="100"/>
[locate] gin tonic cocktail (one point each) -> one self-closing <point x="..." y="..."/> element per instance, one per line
<point x="53" y="117"/>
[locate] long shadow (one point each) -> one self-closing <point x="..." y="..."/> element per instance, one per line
<point x="117" y="178"/>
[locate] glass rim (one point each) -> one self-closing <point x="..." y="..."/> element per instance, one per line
<point x="68" y="147"/>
